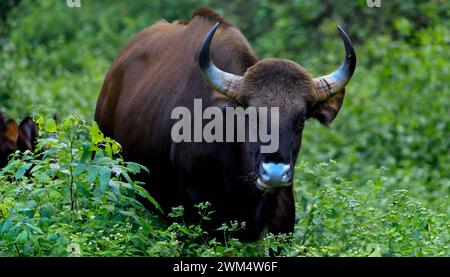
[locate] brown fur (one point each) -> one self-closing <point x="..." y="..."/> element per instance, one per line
<point x="212" y="16"/>
<point x="277" y="83"/>
<point x="13" y="137"/>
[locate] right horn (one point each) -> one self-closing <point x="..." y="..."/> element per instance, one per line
<point x="327" y="86"/>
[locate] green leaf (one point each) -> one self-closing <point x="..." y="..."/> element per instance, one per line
<point x="115" y="188"/>
<point x="35" y="228"/>
<point x="147" y="227"/>
<point x="135" y="167"/>
<point x="96" y="134"/>
<point x="28" y="211"/>
<point x="78" y="170"/>
<point x="50" y="125"/>
<point x="105" y="176"/>
<point x="127" y="177"/>
<point x="12" y="233"/>
<point x="22" y="237"/>
<point x="84" y="191"/>
<point x="6" y="224"/>
<point x="52" y="237"/>
<point x="87" y="153"/>
<point x="47" y="210"/>
<point x="144" y="193"/>
<point x="93" y="171"/>
<point x="21" y="171"/>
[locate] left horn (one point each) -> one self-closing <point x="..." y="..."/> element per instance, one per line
<point x="328" y="85"/>
<point x="223" y="82"/>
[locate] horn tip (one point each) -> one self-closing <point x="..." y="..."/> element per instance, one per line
<point x="349" y="49"/>
<point x="214" y="28"/>
<point x="341" y="31"/>
<point x="204" y="47"/>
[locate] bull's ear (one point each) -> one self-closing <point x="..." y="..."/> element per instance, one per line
<point x="327" y="110"/>
<point x="28" y="133"/>
<point x="11" y="131"/>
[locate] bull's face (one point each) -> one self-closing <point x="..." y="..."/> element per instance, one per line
<point x="297" y="95"/>
<point x="13" y="137"/>
<point x="287" y="86"/>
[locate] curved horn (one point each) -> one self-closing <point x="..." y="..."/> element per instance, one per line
<point x="223" y="82"/>
<point x="328" y="85"/>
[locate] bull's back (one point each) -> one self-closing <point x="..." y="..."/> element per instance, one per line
<point x="156" y="72"/>
<point x="143" y="85"/>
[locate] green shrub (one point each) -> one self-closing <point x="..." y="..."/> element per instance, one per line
<point x="72" y="195"/>
<point x="339" y="218"/>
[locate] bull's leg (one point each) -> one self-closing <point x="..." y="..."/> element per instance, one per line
<point x="281" y="215"/>
<point x="282" y="212"/>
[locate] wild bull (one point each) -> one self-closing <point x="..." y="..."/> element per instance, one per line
<point x="13" y="137"/>
<point x="168" y="65"/>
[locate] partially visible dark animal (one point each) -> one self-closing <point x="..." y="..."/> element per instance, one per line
<point x="13" y="137"/>
<point x="169" y="65"/>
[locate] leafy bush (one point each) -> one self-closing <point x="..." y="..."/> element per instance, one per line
<point x="73" y="194"/>
<point x="339" y="218"/>
<point x="77" y="197"/>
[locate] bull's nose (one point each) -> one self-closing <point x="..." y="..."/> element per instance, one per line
<point x="275" y="174"/>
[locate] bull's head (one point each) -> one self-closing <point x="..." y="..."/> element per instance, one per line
<point x="13" y="137"/>
<point x="287" y="85"/>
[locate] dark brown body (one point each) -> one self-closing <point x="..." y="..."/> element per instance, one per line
<point x="158" y="71"/>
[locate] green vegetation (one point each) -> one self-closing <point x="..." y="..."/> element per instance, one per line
<point x="376" y="183"/>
